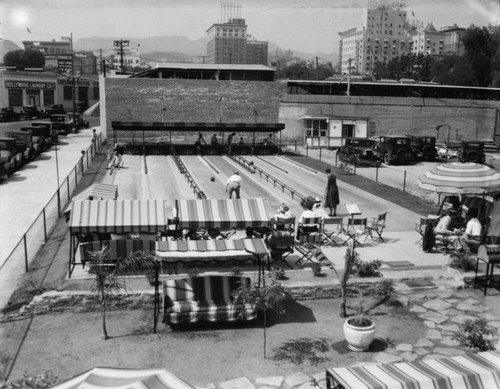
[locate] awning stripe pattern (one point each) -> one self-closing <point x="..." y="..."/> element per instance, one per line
<point x="97" y="191"/>
<point x="481" y="371"/>
<point x="186" y="126"/>
<point x="461" y="178"/>
<point x="100" y="377"/>
<point x="223" y="213"/>
<point x="118" y="216"/>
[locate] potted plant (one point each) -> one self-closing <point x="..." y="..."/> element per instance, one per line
<point x="359" y="331"/>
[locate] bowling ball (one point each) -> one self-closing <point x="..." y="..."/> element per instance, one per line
<point x="212" y="178"/>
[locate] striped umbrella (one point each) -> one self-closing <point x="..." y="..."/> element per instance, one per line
<point x="458" y="178"/>
<point x="101" y="377"/>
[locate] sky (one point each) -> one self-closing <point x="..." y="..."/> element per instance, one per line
<point x="299" y="25"/>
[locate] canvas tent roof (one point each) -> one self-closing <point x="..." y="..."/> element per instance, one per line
<point x="95" y="191"/>
<point x="101" y="377"/>
<point x="118" y="216"/>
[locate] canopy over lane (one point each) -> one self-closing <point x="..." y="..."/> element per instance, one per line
<point x="461" y="178"/>
<point x="102" y="377"/>
<point x="119" y="216"/>
<point x="196" y="127"/>
<point x="481" y="370"/>
<point x="96" y="191"/>
<point x="222" y="213"/>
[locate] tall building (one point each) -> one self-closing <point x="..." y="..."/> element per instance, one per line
<point x="58" y="54"/>
<point x="386" y="34"/>
<point x="228" y="40"/>
<point x="428" y="41"/>
<point x="453" y="39"/>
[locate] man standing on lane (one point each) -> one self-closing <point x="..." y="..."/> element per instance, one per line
<point x="233" y="184"/>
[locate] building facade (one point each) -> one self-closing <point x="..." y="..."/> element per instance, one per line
<point x="429" y="41"/>
<point x="227" y="42"/>
<point x="257" y="52"/>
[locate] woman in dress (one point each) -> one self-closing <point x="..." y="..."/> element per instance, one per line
<point x="332" y="193"/>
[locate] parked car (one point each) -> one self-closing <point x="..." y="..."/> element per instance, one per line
<point x="30" y="112"/>
<point x="395" y="149"/>
<point x="24" y="144"/>
<point x="360" y="151"/>
<point x="8" y="115"/>
<point x="471" y="151"/>
<point x="41" y="138"/>
<point x="80" y="122"/>
<point x="423" y="147"/>
<point x="10" y="158"/>
<point x="60" y="125"/>
<point x="48" y="131"/>
<point x="56" y="109"/>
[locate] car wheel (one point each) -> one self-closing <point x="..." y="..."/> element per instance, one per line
<point x="387" y="159"/>
<point x="472" y="156"/>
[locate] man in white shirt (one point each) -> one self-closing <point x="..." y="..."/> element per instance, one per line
<point x="233" y="184"/>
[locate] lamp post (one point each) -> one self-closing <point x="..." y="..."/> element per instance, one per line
<point x="75" y="78"/>
<point x="58" y="184"/>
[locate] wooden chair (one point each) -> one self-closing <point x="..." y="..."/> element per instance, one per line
<point x="332" y="228"/>
<point x="173" y="230"/>
<point x="308" y="239"/>
<point x="376" y="226"/>
<point x="281" y="240"/>
<point x="356" y="228"/>
<point x="420" y="228"/>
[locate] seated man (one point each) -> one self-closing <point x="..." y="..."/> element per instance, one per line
<point x="282" y="225"/>
<point x="471" y="239"/>
<point x="310" y="213"/>
<point x="116" y="162"/>
<point x="283" y="214"/>
<point x="443" y="230"/>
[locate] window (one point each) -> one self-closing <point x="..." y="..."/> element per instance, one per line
<point x="48" y="97"/>
<point x="15" y="97"/>
<point x="316" y="127"/>
<point x="68" y="92"/>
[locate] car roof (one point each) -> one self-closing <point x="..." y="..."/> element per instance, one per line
<point x="395" y="136"/>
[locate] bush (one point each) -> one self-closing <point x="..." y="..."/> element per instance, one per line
<point x="476" y="335"/>
<point x="41" y="381"/>
<point x="367" y="268"/>
<point x="462" y="261"/>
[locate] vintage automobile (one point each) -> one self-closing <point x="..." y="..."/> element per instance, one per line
<point x="24" y="144"/>
<point x="54" y="109"/>
<point x="48" y="131"/>
<point x="360" y="151"/>
<point x="79" y="121"/>
<point x="30" y="112"/>
<point x="423" y="147"/>
<point x="471" y="151"/>
<point x="60" y="124"/>
<point x="41" y="137"/>
<point x="10" y="158"/>
<point x="395" y="149"/>
<point x="8" y="115"/>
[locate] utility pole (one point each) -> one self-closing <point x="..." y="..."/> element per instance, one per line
<point x="121" y="44"/>
<point x="349" y="78"/>
<point x="317" y="69"/>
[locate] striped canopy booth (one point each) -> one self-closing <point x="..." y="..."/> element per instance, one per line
<point x="115" y="217"/>
<point x="96" y="191"/>
<point x="103" y="377"/>
<point x="222" y="213"/>
<point x="478" y="371"/>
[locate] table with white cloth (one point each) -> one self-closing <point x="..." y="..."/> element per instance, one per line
<point x="222" y="213"/>
<point x="481" y="371"/>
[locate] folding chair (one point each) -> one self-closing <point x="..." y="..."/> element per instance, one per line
<point x="332" y="228"/>
<point x="356" y="228"/>
<point x="420" y="228"/>
<point x="281" y="239"/>
<point x="173" y="230"/>
<point x="376" y="226"/>
<point x="308" y="238"/>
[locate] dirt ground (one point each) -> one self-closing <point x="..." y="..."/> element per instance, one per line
<point x="68" y="344"/>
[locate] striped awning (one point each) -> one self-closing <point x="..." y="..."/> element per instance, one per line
<point x="95" y="191"/>
<point x="481" y="371"/>
<point x="118" y="216"/>
<point x="458" y="178"/>
<point x="222" y="213"/>
<point x="102" y="377"/>
<point x="195" y="127"/>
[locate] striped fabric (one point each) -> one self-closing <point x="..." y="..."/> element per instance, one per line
<point x="223" y="213"/>
<point x="190" y="300"/>
<point x="97" y="191"/>
<point x="119" y="216"/>
<point x="101" y="377"/>
<point x="478" y="371"/>
<point x="461" y="178"/>
<point x="118" y="248"/>
<point x="210" y="250"/>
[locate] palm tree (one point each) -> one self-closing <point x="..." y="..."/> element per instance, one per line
<point x="106" y="284"/>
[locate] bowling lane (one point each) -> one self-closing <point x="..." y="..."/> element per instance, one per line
<point x="129" y="178"/>
<point x="313" y="183"/>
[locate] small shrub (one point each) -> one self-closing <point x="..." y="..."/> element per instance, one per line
<point x="384" y="288"/>
<point x="462" y="260"/>
<point x="476" y="335"/>
<point x="41" y="381"/>
<point x="367" y="268"/>
<point x="297" y="351"/>
<point x="278" y="273"/>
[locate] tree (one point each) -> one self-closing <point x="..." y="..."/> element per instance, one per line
<point x="22" y="59"/>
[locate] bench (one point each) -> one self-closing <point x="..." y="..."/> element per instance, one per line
<point x="207" y="298"/>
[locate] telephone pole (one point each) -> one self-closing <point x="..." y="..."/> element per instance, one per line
<point x="121" y="44"/>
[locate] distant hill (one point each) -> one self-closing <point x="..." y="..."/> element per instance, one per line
<point x="176" y="48"/>
<point x="6" y="46"/>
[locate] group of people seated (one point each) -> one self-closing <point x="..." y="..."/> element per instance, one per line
<point x="463" y="234"/>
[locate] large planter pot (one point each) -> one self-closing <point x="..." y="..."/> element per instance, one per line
<point x="359" y="338"/>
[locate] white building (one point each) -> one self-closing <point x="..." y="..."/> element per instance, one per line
<point x="428" y="41"/>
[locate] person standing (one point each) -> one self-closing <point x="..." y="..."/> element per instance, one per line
<point x="233" y="184"/>
<point x="229" y="141"/>
<point x="214" y="141"/>
<point x="332" y="193"/>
